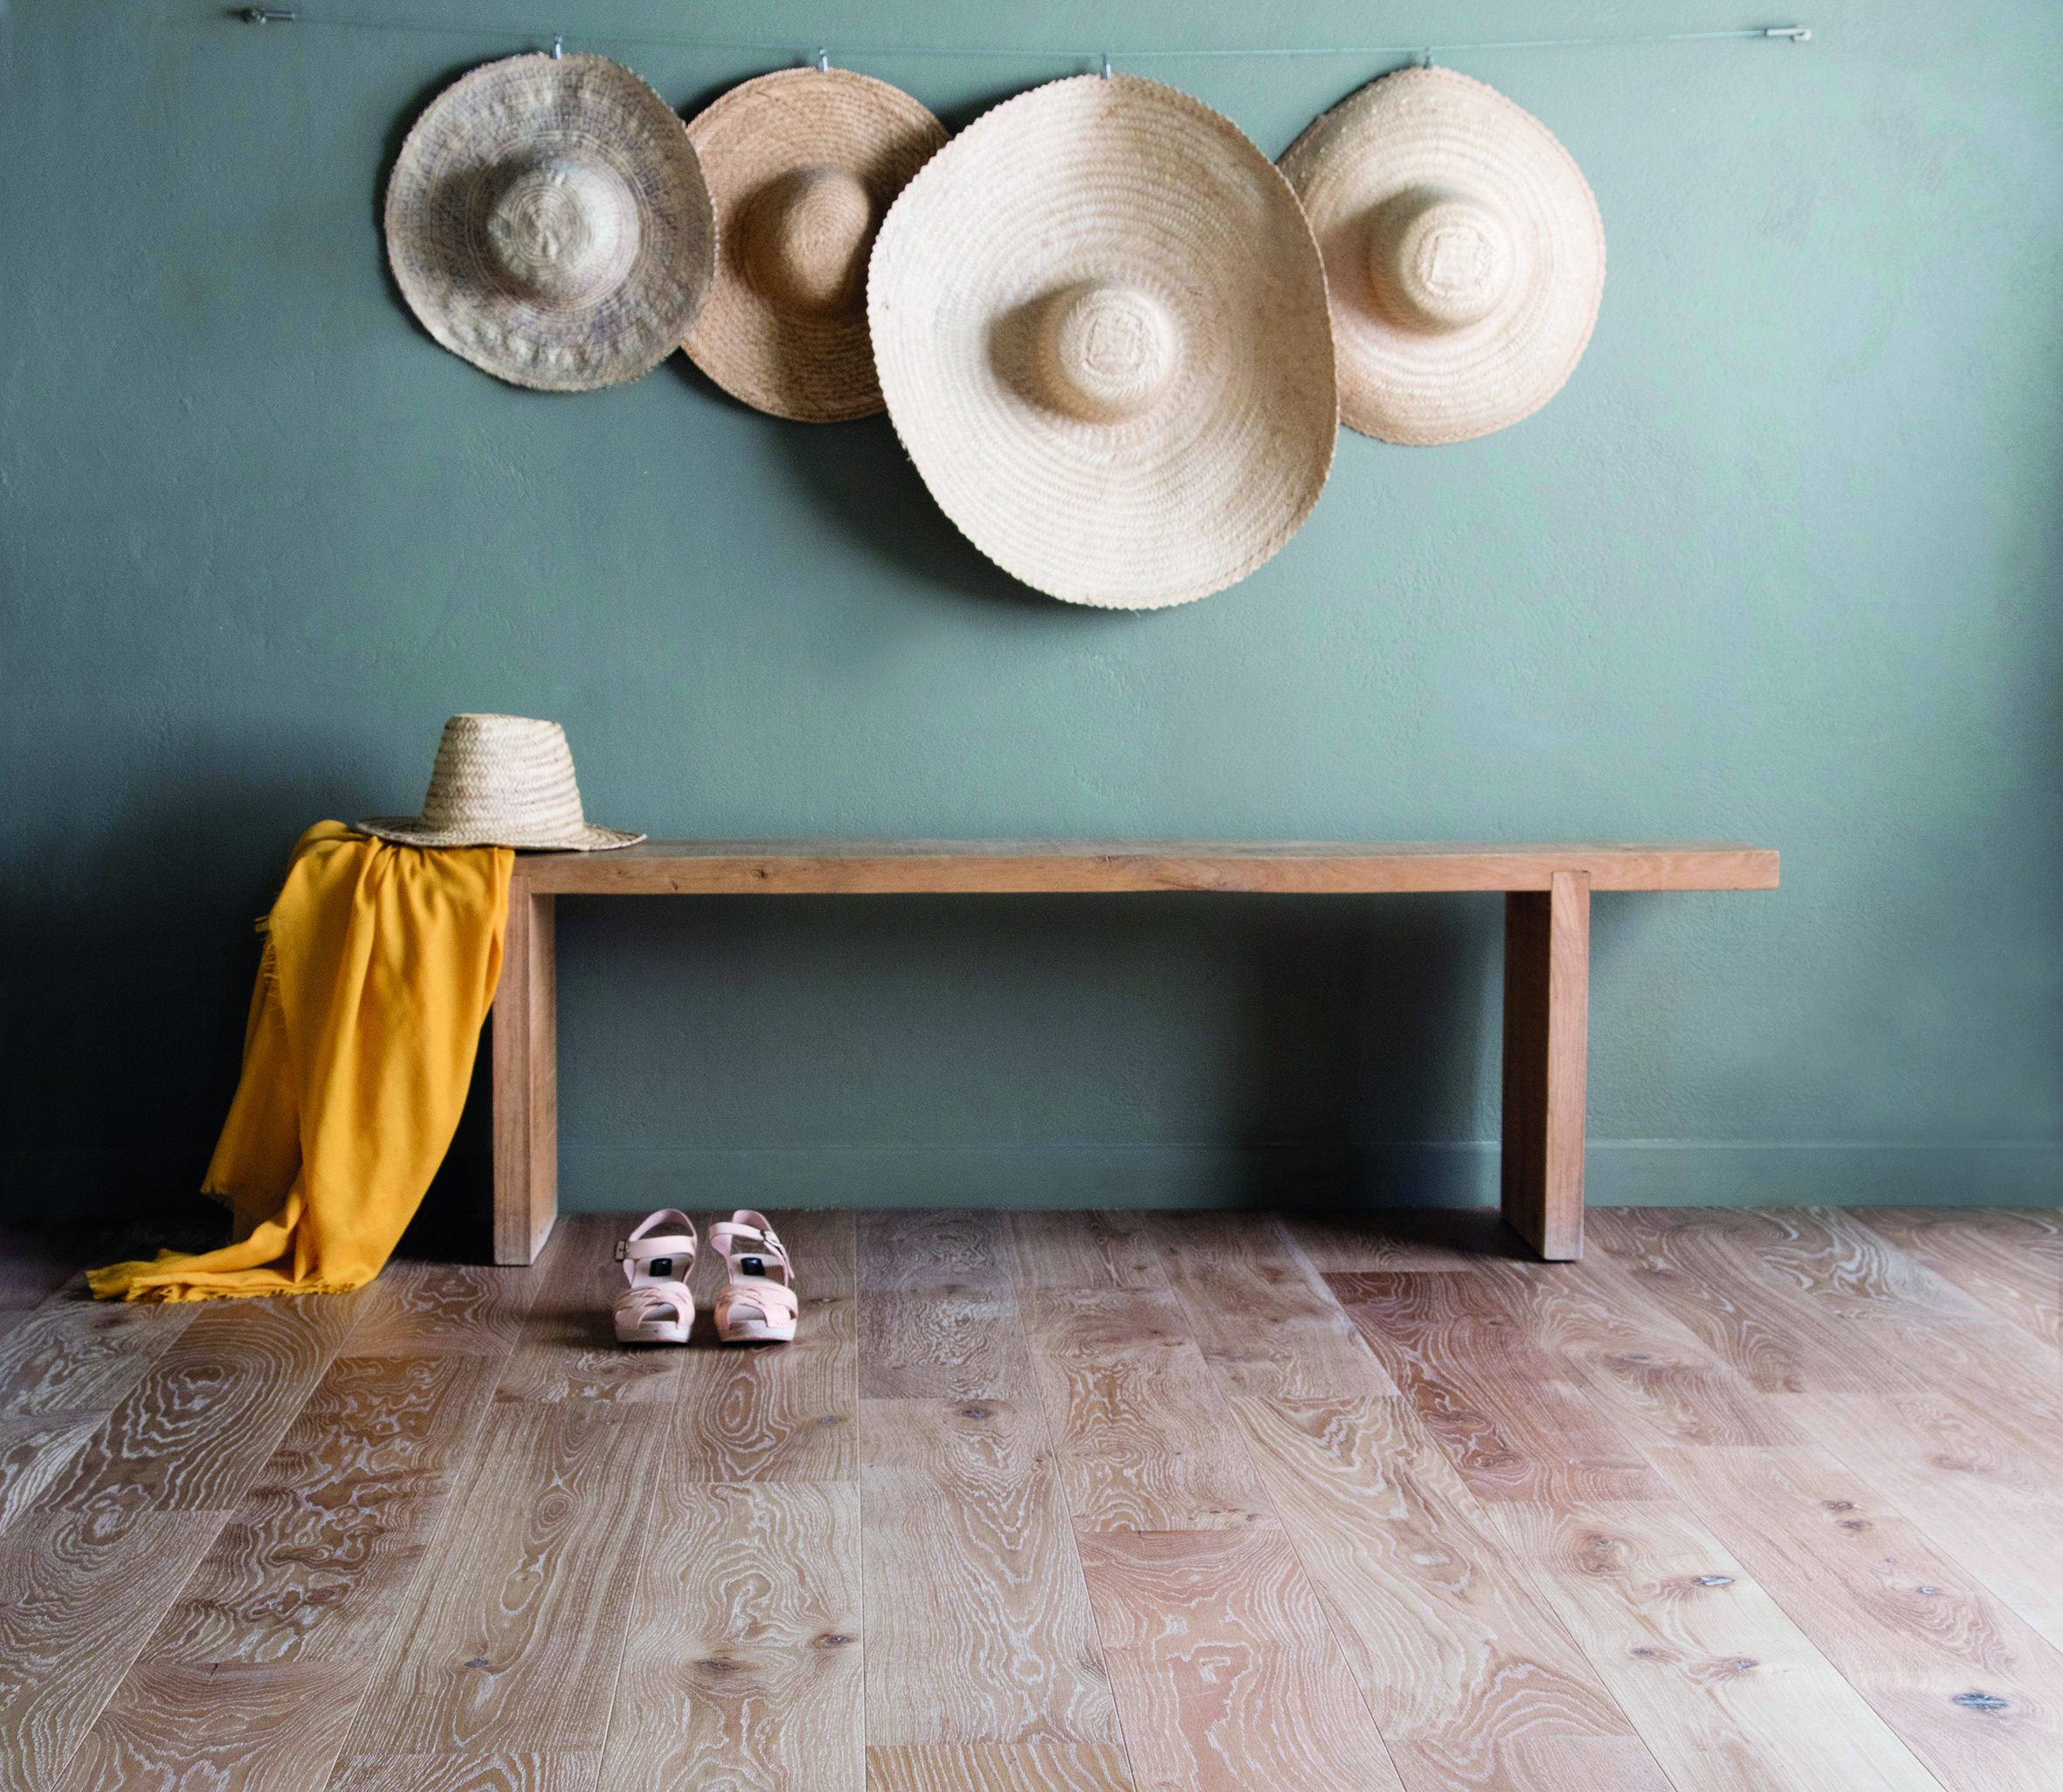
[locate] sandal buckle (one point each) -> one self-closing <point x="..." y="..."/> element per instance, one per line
<point x="623" y="1248"/>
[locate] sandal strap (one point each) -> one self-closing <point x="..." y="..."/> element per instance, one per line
<point x="644" y="1302"/>
<point x="775" y="1299"/>
<point x="644" y="1246"/>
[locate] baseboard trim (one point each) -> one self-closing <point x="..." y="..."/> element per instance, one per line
<point x="40" y="1186"/>
<point x="1619" y="1173"/>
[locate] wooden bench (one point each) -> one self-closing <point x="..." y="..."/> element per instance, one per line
<point x="1547" y="956"/>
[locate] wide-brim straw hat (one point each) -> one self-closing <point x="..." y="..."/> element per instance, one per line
<point x="501" y="781"/>
<point x="1464" y="251"/>
<point x="1099" y="320"/>
<point x="802" y="167"/>
<point x="547" y="220"/>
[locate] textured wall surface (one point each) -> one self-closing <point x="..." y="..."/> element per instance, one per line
<point x="1780" y="563"/>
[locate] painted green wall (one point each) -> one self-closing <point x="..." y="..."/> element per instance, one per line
<point x="1782" y="564"/>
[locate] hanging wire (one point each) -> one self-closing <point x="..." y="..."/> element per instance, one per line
<point x="848" y="52"/>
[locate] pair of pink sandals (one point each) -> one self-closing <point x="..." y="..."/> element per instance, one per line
<point x="756" y="1305"/>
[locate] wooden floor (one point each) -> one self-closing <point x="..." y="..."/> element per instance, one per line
<point x="1064" y="1503"/>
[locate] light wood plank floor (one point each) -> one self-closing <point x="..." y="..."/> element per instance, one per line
<point x="1748" y="1501"/>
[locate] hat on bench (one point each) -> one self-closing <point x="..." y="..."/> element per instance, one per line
<point x="501" y="781"/>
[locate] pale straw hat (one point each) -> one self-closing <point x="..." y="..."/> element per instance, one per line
<point x="547" y="219"/>
<point x="1464" y="251"/>
<point x="1100" y="324"/>
<point x="802" y="165"/>
<point x="501" y="781"/>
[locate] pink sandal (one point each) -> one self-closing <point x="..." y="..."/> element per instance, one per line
<point x="656" y="1308"/>
<point x="757" y="1303"/>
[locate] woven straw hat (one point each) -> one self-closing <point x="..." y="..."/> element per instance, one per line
<point x="547" y="219"/>
<point x="501" y="781"/>
<point x="1464" y="251"/>
<point x="1100" y="324"/>
<point x="802" y="165"/>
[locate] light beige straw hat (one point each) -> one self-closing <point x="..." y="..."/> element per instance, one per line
<point x="1464" y="251"/>
<point x="802" y="165"/>
<point x="501" y="781"/>
<point x="1100" y="324"/>
<point x="547" y="219"/>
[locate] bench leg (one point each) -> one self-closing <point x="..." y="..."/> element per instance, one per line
<point x="1547" y="1004"/>
<point x="526" y="1081"/>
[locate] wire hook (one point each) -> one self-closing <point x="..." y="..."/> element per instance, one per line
<point x="823" y="60"/>
<point x="1106" y="64"/>
<point x="1427" y="54"/>
<point x="558" y="46"/>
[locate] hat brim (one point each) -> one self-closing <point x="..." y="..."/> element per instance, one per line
<point x="586" y="109"/>
<point x="1087" y="180"/>
<point x="408" y="831"/>
<point x="1435" y="127"/>
<point x="807" y="368"/>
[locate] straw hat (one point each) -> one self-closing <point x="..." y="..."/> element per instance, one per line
<point x="1464" y="251"/>
<point x="500" y="780"/>
<point x="546" y="220"/>
<point x="1100" y="324"/>
<point x="801" y="167"/>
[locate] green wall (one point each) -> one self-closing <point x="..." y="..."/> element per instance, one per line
<point x="1780" y="564"/>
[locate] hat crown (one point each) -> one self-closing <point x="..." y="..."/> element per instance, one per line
<point x="806" y="237"/>
<point x="1438" y="259"/>
<point x="506" y="774"/>
<point x="562" y="229"/>
<point x="1108" y="350"/>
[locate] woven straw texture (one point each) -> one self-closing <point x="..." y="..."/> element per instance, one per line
<point x="1464" y="251"/>
<point x="501" y="781"/>
<point x="547" y="219"/>
<point x="1099" y="320"/>
<point x="802" y="167"/>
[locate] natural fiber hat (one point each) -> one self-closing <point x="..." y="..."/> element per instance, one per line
<point x="547" y="219"/>
<point x="1100" y="324"/>
<point x="1464" y="251"/>
<point x="500" y="780"/>
<point x="802" y="165"/>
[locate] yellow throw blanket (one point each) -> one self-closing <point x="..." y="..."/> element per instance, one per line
<point x="380" y="966"/>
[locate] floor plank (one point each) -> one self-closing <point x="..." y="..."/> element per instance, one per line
<point x="1472" y="1681"/>
<point x="75" y="1354"/>
<point x="1264" y="1321"/>
<point x="78" y="1591"/>
<point x="2009" y="1258"/>
<point x="1406" y="1240"/>
<point x="1972" y="1690"/>
<point x="513" y="1630"/>
<point x="35" y="1449"/>
<point x="1226" y="1674"/>
<point x="192" y="1432"/>
<point x="230" y="1726"/>
<point x="1139" y="1427"/>
<point x="1949" y="1418"/>
<point x="1058" y="1252"/>
<point x="742" y="1663"/>
<point x="962" y="1767"/>
<point x="556" y="1770"/>
<point x="904" y="1249"/>
<point x="949" y="1344"/>
<point x="1506" y="1413"/>
<point x="1724" y="1688"/>
<point x="978" y="1624"/>
<point x="315" y="1562"/>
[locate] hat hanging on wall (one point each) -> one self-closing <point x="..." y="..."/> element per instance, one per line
<point x="500" y="780"/>
<point x="1464" y="251"/>
<point x="547" y="220"/>
<point x="801" y="165"/>
<point x="1099" y="320"/>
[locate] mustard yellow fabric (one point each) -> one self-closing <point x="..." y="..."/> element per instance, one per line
<point x="380" y="965"/>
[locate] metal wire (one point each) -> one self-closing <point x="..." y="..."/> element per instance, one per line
<point x="847" y="52"/>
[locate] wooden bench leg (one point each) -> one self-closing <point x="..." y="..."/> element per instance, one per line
<point x="1547" y="1006"/>
<point x="526" y="1081"/>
